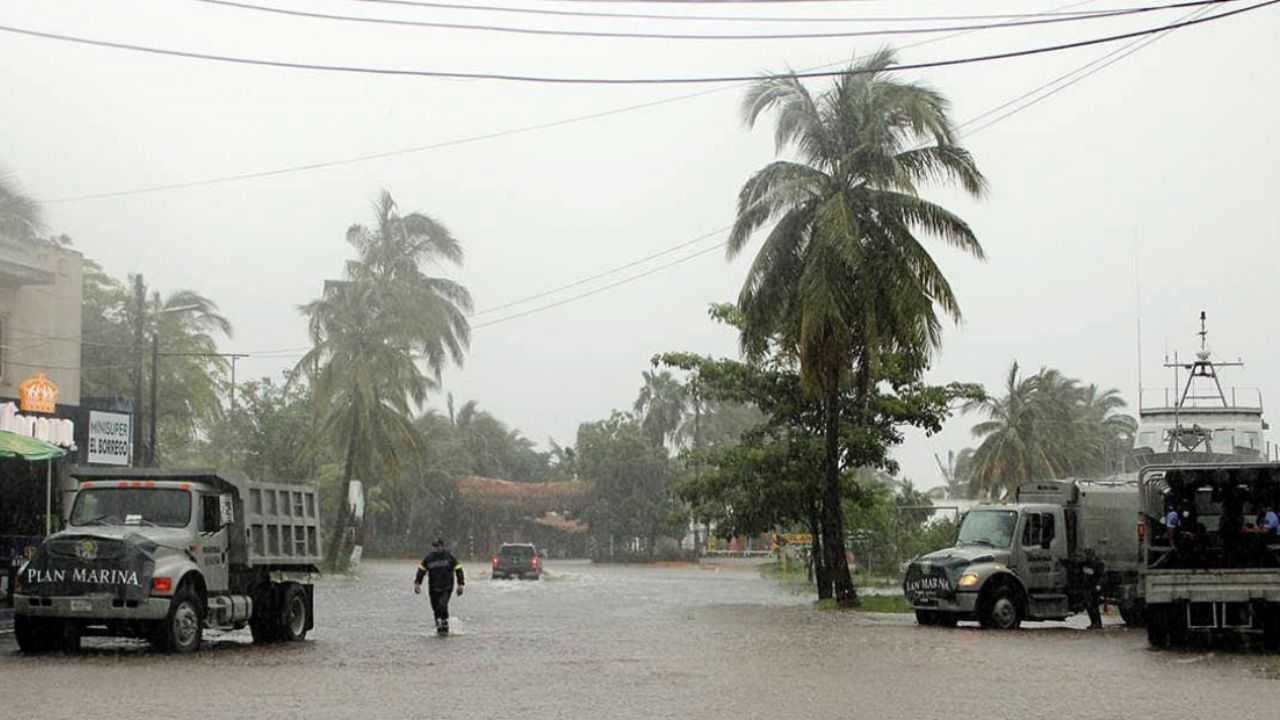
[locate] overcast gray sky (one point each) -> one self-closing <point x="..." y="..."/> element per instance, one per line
<point x="1157" y="172"/>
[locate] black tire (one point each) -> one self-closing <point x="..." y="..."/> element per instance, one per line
<point x="262" y="623"/>
<point x="1158" y="635"/>
<point x="34" y="635"/>
<point x="1134" y="613"/>
<point x="947" y="620"/>
<point x="183" y="628"/>
<point x="927" y="618"/>
<point x="1271" y="626"/>
<point x="1001" y="610"/>
<point x="291" y="617"/>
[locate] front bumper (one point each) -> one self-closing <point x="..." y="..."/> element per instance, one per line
<point x="960" y="603"/>
<point x="91" y="608"/>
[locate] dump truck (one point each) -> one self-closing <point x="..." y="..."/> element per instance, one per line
<point x="165" y="554"/>
<point x="1024" y="560"/>
<point x="1212" y="569"/>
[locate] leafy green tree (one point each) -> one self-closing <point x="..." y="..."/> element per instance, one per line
<point x="842" y="281"/>
<point x="773" y="476"/>
<point x="20" y="215"/>
<point x="371" y="333"/>
<point x="629" y="476"/>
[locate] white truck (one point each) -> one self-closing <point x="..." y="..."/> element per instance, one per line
<point x="164" y="554"/>
<point x="1023" y="560"/>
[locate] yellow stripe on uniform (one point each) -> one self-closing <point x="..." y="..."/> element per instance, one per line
<point x="422" y="567"/>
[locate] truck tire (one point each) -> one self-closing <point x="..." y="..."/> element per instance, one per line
<point x="34" y="635"/>
<point x="1134" y="613"/>
<point x="183" y="628"/>
<point x="1158" y="634"/>
<point x="292" y="615"/>
<point x="926" y="618"/>
<point x="262" y="623"/>
<point x="1001" y="610"/>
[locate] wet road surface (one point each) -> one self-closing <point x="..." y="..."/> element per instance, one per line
<point x="593" y="641"/>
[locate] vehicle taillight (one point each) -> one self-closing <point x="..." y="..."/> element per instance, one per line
<point x="161" y="584"/>
<point x="536" y="561"/>
<point x="495" y="561"/>
<point x="1142" y="530"/>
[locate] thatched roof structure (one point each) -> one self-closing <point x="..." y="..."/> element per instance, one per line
<point x="526" y="498"/>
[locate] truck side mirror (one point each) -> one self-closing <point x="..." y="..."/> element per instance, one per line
<point x="226" y="510"/>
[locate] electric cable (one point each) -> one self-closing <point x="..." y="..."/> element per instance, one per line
<point x="616" y="81"/>
<point x="557" y="32"/>
<point x="466" y="140"/>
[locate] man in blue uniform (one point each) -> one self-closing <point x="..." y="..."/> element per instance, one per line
<point x="440" y="568"/>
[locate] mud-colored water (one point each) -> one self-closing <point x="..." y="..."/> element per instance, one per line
<point x="636" y="642"/>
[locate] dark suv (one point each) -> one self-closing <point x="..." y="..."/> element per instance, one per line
<point x="519" y="560"/>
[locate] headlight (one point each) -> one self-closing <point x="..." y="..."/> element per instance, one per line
<point x="968" y="579"/>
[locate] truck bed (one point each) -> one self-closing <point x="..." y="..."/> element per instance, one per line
<point x="283" y="524"/>
<point x="1226" y="585"/>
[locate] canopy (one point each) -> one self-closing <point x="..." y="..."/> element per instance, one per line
<point x="13" y="445"/>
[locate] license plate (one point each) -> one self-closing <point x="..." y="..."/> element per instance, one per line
<point x="81" y="606"/>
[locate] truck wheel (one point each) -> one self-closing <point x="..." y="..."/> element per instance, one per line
<point x="926" y="618"/>
<point x="34" y="635"/>
<point x="182" y="630"/>
<point x="292" y="614"/>
<point x="1001" y="611"/>
<point x="1134" y="613"/>
<point x="1158" y="627"/>
<point x="262" y="623"/>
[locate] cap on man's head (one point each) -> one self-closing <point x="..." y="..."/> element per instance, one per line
<point x="439" y="542"/>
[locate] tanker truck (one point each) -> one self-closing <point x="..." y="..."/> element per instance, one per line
<point x="165" y="554"/>
<point x="1019" y="561"/>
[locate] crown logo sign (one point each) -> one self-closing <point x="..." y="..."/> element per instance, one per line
<point x="37" y="394"/>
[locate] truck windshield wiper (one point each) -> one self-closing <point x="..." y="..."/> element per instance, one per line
<point x="988" y="543"/>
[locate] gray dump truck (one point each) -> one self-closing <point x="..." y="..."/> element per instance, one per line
<point x="1024" y="560"/>
<point x="1216" y="571"/>
<point x="162" y="555"/>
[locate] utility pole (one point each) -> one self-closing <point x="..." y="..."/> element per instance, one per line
<point x="156" y="354"/>
<point x="155" y="372"/>
<point x="139" y="330"/>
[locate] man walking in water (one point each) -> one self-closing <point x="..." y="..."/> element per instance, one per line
<point x="440" y="567"/>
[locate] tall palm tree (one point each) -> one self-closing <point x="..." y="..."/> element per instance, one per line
<point x="661" y="406"/>
<point x="372" y="332"/>
<point x="20" y="215"/>
<point x="842" y="279"/>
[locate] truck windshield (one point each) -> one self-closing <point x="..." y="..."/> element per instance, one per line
<point x="167" y="507"/>
<point x="993" y="528"/>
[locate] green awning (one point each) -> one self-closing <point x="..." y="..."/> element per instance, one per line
<point x="13" y="445"/>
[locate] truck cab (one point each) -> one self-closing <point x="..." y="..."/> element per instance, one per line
<point x="165" y="554"/>
<point x="1018" y="561"/>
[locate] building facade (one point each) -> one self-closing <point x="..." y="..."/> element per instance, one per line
<point x="40" y="295"/>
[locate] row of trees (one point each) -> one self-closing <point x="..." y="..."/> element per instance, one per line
<point x="1045" y="425"/>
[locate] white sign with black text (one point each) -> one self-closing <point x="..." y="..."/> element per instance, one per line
<point x="110" y="438"/>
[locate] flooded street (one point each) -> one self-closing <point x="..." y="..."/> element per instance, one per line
<point x="594" y="641"/>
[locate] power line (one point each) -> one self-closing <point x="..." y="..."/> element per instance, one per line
<point x="602" y="288"/>
<point x="706" y="18"/>
<point x="584" y="80"/>
<point x="559" y="32"/>
<point x="463" y="140"/>
<point x="606" y="273"/>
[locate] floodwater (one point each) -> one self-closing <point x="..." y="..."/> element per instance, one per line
<point x="594" y="641"/>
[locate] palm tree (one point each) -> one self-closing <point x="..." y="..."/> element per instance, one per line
<point x="1018" y="439"/>
<point x="370" y="332"/>
<point x="20" y="215"/>
<point x="842" y="279"/>
<point x="661" y="406"/>
<point x="1046" y="425"/>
